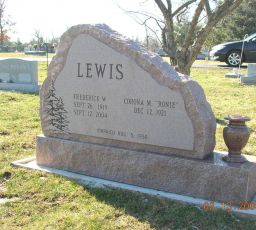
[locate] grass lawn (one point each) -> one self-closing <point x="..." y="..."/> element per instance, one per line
<point x="227" y="96"/>
<point x="45" y="201"/>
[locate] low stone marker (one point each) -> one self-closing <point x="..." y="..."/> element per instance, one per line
<point x="234" y="74"/>
<point x="113" y="110"/>
<point x="18" y="75"/>
<point x="251" y="76"/>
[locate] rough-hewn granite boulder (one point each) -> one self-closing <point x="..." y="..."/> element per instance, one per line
<point x="106" y="89"/>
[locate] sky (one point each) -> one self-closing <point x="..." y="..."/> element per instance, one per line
<point x="53" y="17"/>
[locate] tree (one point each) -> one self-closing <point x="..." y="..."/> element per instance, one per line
<point x="151" y="43"/>
<point x="234" y="27"/>
<point x="54" y="40"/>
<point x="56" y="111"/>
<point x="61" y="117"/>
<point x="19" y="45"/>
<point x="196" y="17"/>
<point x="53" y="44"/>
<point x="37" y="40"/>
<point x="5" y="24"/>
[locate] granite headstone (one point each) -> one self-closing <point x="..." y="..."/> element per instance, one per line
<point x="109" y="90"/>
<point x="113" y="110"/>
<point x="250" y="78"/>
<point x="18" y="75"/>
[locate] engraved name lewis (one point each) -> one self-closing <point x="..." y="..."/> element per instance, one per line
<point x="99" y="70"/>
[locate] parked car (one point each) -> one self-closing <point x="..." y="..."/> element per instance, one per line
<point x="162" y="53"/>
<point x="230" y="52"/>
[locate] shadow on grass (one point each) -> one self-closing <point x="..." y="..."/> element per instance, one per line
<point x="20" y="92"/>
<point x="30" y="93"/>
<point x="221" y="121"/>
<point x="161" y="213"/>
<point x="226" y="66"/>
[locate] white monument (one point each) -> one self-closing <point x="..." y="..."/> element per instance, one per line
<point x="19" y="75"/>
<point x="250" y="78"/>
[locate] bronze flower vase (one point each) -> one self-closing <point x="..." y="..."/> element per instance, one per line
<point x="236" y="135"/>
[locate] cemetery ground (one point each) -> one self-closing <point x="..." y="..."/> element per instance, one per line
<point x="22" y="55"/>
<point x="43" y="201"/>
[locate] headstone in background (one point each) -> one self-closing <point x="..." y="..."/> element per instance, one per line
<point x="24" y="78"/>
<point x="5" y="77"/>
<point x="111" y="109"/>
<point x="233" y="74"/>
<point x="18" y="75"/>
<point x="250" y="78"/>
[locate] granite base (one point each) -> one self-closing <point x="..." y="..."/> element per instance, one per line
<point x="19" y="87"/>
<point x="232" y="75"/>
<point x="248" y="80"/>
<point x="210" y="179"/>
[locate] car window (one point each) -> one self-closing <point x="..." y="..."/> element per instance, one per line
<point x="250" y="37"/>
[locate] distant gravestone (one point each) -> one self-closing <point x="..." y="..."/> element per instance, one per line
<point x="111" y="109"/>
<point x="250" y="78"/>
<point x="18" y="74"/>
<point x="233" y="74"/>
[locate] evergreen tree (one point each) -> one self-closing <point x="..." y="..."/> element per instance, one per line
<point x="61" y="117"/>
<point x="56" y="111"/>
<point x="240" y="22"/>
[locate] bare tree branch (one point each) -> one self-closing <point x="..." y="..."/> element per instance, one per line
<point x="165" y="45"/>
<point x="210" y="11"/>
<point x="133" y="14"/>
<point x="185" y="5"/>
<point x="170" y="39"/>
<point x="152" y="30"/>
<point x="5" y="23"/>
<point x="226" y="7"/>
<point x="158" y="21"/>
<point x="222" y="10"/>
<point x="162" y="7"/>
<point x="178" y="17"/>
<point x="208" y="8"/>
<point x="189" y="37"/>
<point x="169" y="7"/>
